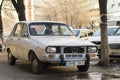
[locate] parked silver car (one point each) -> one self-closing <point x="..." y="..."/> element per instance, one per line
<point x="112" y="40"/>
<point x="47" y="42"/>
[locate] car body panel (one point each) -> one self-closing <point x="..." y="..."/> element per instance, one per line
<point x="60" y="40"/>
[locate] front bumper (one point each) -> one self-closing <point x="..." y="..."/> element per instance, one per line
<point x="66" y="59"/>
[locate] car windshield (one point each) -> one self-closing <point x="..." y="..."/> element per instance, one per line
<point x="52" y="29"/>
<point x="110" y="31"/>
<point x="76" y="32"/>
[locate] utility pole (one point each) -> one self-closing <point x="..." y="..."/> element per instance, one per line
<point x="1" y="23"/>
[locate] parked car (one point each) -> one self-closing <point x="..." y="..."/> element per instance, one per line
<point x="83" y="33"/>
<point x="48" y="42"/>
<point x="96" y="38"/>
<point x="114" y="45"/>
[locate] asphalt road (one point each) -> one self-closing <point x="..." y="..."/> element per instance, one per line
<point x="22" y="71"/>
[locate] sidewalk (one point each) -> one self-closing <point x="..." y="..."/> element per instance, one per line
<point x="114" y="68"/>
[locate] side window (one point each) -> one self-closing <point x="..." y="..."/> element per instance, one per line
<point x="18" y="29"/>
<point x="24" y="30"/>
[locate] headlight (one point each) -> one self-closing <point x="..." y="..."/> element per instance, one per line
<point x="92" y="49"/>
<point x="51" y="49"/>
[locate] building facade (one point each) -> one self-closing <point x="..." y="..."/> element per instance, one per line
<point x="113" y="8"/>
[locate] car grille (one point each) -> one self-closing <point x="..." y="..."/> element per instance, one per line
<point x="114" y="46"/>
<point x="70" y="49"/>
<point x="73" y="49"/>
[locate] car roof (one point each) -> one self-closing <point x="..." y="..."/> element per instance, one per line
<point x="113" y="26"/>
<point x="41" y="21"/>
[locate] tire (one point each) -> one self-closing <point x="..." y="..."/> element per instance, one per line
<point x="11" y="58"/>
<point x="37" y="66"/>
<point x="86" y="66"/>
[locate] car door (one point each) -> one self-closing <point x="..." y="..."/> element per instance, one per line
<point x="24" y="42"/>
<point x="14" y="40"/>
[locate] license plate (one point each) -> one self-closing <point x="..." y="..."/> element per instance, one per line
<point x="74" y="63"/>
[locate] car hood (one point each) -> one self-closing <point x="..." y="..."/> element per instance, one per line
<point x="94" y="38"/>
<point x="60" y="41"/>
<point x="111" y="39"/>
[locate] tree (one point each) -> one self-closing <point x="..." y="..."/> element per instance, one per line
<point x="68" y="11"/>
<point x="71" y="12"/>
<point x="20" y="8"/>
<point x="1" y="24"/>
<point x="92" y="23"/>
<point x="104" y="38"/>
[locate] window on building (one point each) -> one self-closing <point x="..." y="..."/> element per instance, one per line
<point x="112" y="5"/>
<point x="118" y="4"/>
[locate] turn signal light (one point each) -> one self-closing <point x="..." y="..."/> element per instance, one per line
<point x="51" y="56"/>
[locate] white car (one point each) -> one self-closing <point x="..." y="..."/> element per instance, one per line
<point x="112" y="39"/>
<point x="48" y="42"/>
<point x="83" y="33"/>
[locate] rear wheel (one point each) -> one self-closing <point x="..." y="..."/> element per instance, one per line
<point x="37" y="66"/>
<point x="11" y="58"/>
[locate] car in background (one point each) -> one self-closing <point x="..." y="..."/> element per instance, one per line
<point x="96" y="38"/>
<point x="46" y="43"/>
<point x="114" y="45"/>
<point x="83" y="33"/>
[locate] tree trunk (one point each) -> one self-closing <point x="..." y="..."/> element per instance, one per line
<point x="20" y="8"/>
<point x="1" y="24"/>
<point x="104" y="36"/>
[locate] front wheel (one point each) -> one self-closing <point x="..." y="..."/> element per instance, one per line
<point x="86" y="66"/>
<point x="37" y="66"/>
<point x="11" y="58"/>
